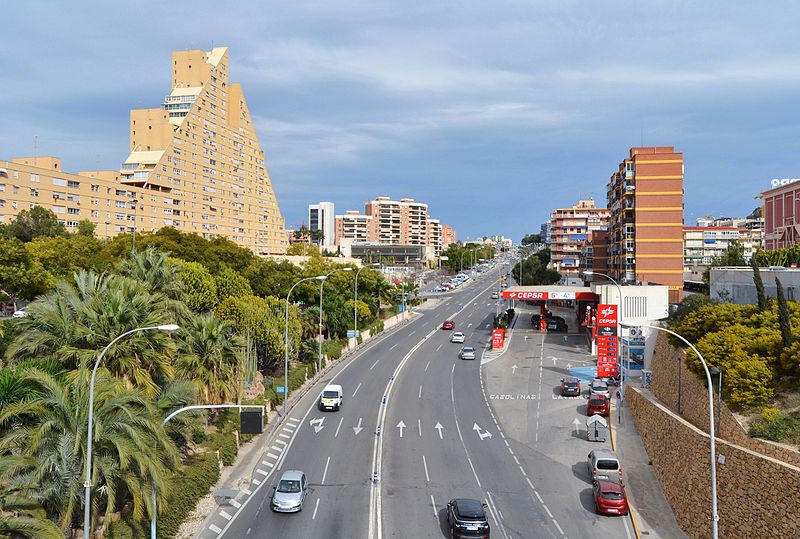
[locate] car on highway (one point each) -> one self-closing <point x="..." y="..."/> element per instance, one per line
<point x="495" y="295"/>
<point x="331" y="398"/>
<point x="604" y="464"/>
<point x="570" y="387"/>
<point x="609" y="497"/>
<point x="466" y="518"/>
<point x="598" y="404"/>
<point x="503" y="285"/>
<point x="599" y="387"/>
<point x="467" y="352"/>
<point x="457" y="337"/>
<point x="290" y="492"/>
<point x="556" y="325"/>
<point x="448" y="324"/>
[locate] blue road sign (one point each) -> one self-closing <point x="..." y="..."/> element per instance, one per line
<point x="280" y="389"/>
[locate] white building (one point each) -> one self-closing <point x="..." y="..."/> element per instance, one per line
<point x="322" y="217"/>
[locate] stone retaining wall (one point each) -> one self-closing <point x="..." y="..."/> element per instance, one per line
<point x="686" y="393"/>
<point x="758" y="496"/>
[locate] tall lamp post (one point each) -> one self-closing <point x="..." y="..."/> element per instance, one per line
<point x="321" y="284"/>
<point x="712" y="445"/>
<point x="87" y="484"/>
<point x="716" y="372"/>
<point x="286" y="340"/>
<point x="355" y="301"/>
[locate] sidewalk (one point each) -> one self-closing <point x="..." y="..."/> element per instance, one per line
<point x="651" y="512"/>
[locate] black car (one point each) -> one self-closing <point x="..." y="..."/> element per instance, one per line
<point x="536" y="320"/>
<point x="556" y="325"/>
<point x="467" y="518"/>
<point x="570" y="387"/>
<point x="555" y="317"/>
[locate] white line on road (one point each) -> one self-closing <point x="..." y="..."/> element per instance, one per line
<point x="419" y="427"/>
<point x="256" y="481"/>
<point x="276" y="448"/>
<point x="410" y="334"/>
<point x="225" y="515"/>
<point x="325" y="472"/>
<point x="282" y="435"/>
<point x="559" y="527"/>
<point x="316" y="506"/>
<point x="393" y="346"/>
<point x="536" y="493"/>
<point x="271" y="456"/>
<point x="425" y="464"/>
<point x="280" y="442"/>
<point x="357" y="388"/>
<point x="433" y="504"/>
<point x="496" y="514"/>
<point x="427" y="365"/>
<point x="234" y="503"/>
<point x="438" y="347"/>
<point x="420" y="393"/>
<point x="373" y="365"/>
<point x="338" y="427"/>
<point x="293" y="420"/>
<point x="247" y="491"/>
<point x="215" y="529"/>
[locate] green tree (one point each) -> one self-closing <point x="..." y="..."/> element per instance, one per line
<point x="86" y="228"/>
<point x="762" y="296"/>
<point x="52" y="436"/>
<point x="211" y="356"/>
<point x="230" y="283"/>
<point x="690" y="303"/>
<point x="21" y="276"/>
<point x="21" y="516"/>
<point x="270" y="278"/>
<point x="783" y="315"/>
<point x="154" y="270"/>
<point x="37" y="222"/>
<point x="529" y="239"/>
<point x="63" y="256"/>
<point x="199" y="285"/>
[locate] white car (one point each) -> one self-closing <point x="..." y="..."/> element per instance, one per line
<point x="467" y="352"/>
<point x="495" y="295"/>
<point x="331" y="398"/>
<point x="19" y="314"/>
<point x="457" y="337"/>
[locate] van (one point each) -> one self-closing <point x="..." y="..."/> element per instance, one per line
<point x="604" y="464"/>
<point x="331" y="398"/>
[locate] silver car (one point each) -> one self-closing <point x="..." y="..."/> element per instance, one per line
<point x="599" y="387"/>
<point x="467" y="352"/>
<point x="290" y="493"/>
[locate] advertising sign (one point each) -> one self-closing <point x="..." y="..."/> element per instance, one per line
<point x="536" y="295"/>
<point x="607" y="341"/>
<point x="498" y="337"/>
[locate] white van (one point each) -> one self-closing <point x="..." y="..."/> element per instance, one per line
<point x="331" y="398"/>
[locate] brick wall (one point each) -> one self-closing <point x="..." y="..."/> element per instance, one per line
<point x="757" y="496"/>
<point x="686" y="393"/>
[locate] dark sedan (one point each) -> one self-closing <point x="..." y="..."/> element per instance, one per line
<point x="467" y="519"/>
<point x="570" y="387"/>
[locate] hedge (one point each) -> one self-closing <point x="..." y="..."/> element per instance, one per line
<point x="225" y="443"/>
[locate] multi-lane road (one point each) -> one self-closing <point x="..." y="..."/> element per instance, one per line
<point x="420" y="426"/>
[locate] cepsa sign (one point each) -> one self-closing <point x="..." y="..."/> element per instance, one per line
<point x="544" y="295"/>
<point x="498" y="336"/>
<point x="607" y="341"/>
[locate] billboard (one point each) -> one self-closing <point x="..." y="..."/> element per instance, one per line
<point x="607" y="340"/>
<point x="498" y="338"/>
<point x="545" y="295"/>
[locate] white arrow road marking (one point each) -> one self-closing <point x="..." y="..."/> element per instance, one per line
<point x="577" y="424"/>
<point x="487" y="326"/>
<point x="554" y="358"/>
<point x="469" y="325"/>
<point x="317" y="424"/>
<point x="569" y="365"/>
<point x="401" y="426"/>
<point x="439" y="427"/>
<point x="358" y="427"/>
<point x="513" y="369"/>
<point x="482" y="435"/>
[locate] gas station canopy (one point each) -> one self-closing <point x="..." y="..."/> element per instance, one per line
<point x="552" y="292"/>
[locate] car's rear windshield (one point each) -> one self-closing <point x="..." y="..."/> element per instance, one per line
<point x="606" y="464"/>
<point x="596" y="402"/>
<point x="612" y="495"/>
<point x="330" y="394"/>
<point x="469" y="349"/>
<point x="571" y="382"/>
<point x="471" y="510"/>
<point x="287" y="485"/>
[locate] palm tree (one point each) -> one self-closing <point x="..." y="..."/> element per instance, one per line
<point x="52" y="440"/>
<point x="159" y="276"/>
<point x="74" y="322"/>
<point x="174" y="395"/>
<point x="210" y="354"/>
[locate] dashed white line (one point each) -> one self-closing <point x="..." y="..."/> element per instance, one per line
<point x="433" y="504"/>
<point x="293" y="420"/>
<point x="236" y="504"/>
<point x="549" y="514"/>
<point x="280" y="442"/>
<point x="316" y="506"/>
<point x="373" y="365"/>
<point x="288" y="428"/>
<point x="215" y="529"/>
<point x="393" y="346"/>
<point x="262" y="472"/>
<point x="536" y="493"/>
<point x="257" y="482"/>
<point x="427" y="365"/>
<point x="425" y="465"/>
<point x="271" y="456"/>
<point x="282" y="435"/>
<point x="419" y="427"/>
<point x="276" y="448"/>
<point x="225" y="515"/>
<point x="410" y="334"/>
<point x="268" y="464"/>
<point x="438" y="347"/>
<point x="419" y="396"/>
<point x="357" y="388"/>
<point x="559" y="527"/>
<point x="247" y="491"/>
<point x="325" y="472"/>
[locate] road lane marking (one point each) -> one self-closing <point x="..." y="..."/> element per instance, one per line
<point x="425" y="465"/>
<point x="338" y="427"/>
<point x="271" y="456"/>
<point x="325" y="472"/>
<point x="373" y="365"/>
<point x="247" y="491"/>
<point x="261" y="472"/>
<point x="419" y="427"/>
<point x="427" y="365"/>
<point x="215" y="529"/>
<point x="438" y="347"/>
<point x="496" y="514"/>
<point x="419" y="396"/>
<point x="276" y="448"/>
<point x="282" y="435"/>
<point x="559" y="527"/>
<point x="316" y="506"/>
<point x="268" y="464"/>
<point x="410" y="334"/>
<point x="234" y="503"/>
<point x="288" y="429"/>
<point x="224" y="514"/>
<point x="257" y="482"/>
<point x="357" y="388"/>
<point x="280" y="442"/>
<point x="391" y="347"/>
<point x="433" y="504"/>
<point x="293" y="420"/>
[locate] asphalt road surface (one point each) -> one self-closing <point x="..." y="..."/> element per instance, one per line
<point x="418" y="427"/>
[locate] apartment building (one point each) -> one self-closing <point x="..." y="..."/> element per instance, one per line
<point x="645" y="198"/>
<point x="354" y="226"/>
<point x="780" y="207"/>
<point x="435" y="236"/>
<point x="448" y="236"/>
<point x="195" y="164"/>
<point x="569" y="229"/>
<point x="322" y="217"/>
<point x="594" y="253"/>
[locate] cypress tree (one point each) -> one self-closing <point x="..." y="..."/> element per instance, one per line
<point x="783" y="316"/>
<point x="762" y="296"/>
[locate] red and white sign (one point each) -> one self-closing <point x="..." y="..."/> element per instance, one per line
<point x="498" y="338"/>
<point x="534" y="295"/>
<point x="607" y="340"/>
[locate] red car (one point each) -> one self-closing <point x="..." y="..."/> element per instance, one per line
<point x="598" y="404"/>
<point x="609" y="497"/>
<point x="448" y="324"/>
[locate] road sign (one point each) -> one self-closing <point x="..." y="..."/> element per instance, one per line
<point x="352" y="334"/>
<point x="607" y="340"/>
<point x="498" y="338"/>
<point x="280" y="389"/>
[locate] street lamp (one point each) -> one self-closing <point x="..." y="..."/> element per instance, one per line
<point x="355" y="300"/>
<point x="87" y="484"/>
<point x="715" y="371"/>
<point x="714" y="515"/>
<point x="321" y="283"/>
<point x="286" y="340"/>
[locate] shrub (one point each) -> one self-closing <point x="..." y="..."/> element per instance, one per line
<point x="777" y="426"/>
<point x="190" y="483"/>
<point x="225" y="443"/>
<point x="333" y="348"/>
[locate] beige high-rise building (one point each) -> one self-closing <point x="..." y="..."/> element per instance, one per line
<point x="194" y="164"/>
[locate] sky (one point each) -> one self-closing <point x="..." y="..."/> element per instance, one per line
<point x="493" y="113"/>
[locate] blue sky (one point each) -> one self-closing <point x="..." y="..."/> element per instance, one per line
<point x="491" y="112"/>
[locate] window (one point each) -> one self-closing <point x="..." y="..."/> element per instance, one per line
<point x="72" y="224"/>
<point x="120" y="204"/>
<point x="74" y="211"/>
<point x="2" y="187"/>
<point x="35" y="193"/>
<point x="59" y="209"/>
<point x="34" y="177"/>
<point x="95" y="188"/>
<point x="73" y="184"/>
<point x="59" y="182"/>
